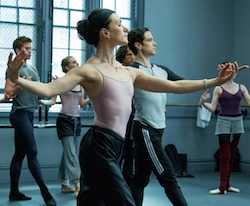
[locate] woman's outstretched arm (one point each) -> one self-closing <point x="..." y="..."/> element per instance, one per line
<point x="43" y="90"/>
<point x="149" y="83"/>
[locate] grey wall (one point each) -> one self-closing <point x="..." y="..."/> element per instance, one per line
<point x="193" y="37"/>
<point x="242" y="38"/>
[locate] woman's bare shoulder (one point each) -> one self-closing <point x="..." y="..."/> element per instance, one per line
<point x="242" y="87"/>
<point x="134" y="71"/>
<point x="87" y="70"/>
<point x="217" y="90"/>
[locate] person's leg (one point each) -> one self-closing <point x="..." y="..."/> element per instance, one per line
<point x="101" y="178"/>
<point x="167" y="178"/>
<point x="233" y="146"/>
<point x="63" y="176"/>
<point x="157" y="159"/>
<point x="71" y="159"/>
<point x="225" y="155"/>
<point x="25" y="130"/>
<point x="129" y="153"/>
<point x="78" y="140"/>
<point x="142" y="169"/>
<point x="17" y="118"/>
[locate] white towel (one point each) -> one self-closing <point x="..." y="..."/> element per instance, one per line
<point x="203" y="116"/>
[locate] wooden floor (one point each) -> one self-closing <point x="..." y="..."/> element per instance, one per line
<point x="194" y="189"/>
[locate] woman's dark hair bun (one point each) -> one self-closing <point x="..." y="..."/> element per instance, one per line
<point x="88" y="29"/>
<point x="87" y="33"/>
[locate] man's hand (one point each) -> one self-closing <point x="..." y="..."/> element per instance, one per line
<point x="5" y="99"/>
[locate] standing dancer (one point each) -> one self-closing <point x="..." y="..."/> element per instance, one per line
<point x="229" y="126"/>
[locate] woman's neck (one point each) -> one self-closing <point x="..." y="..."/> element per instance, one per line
<point x="229" y="83"/>
<point x="105" y="53"/>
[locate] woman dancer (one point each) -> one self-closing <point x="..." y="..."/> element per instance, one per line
<point x="229" y="126"/>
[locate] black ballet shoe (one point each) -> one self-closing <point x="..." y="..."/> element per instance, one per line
<point x="50" y="202"/>
<point x="18" y="196"/>
<point x="47" y="197"/>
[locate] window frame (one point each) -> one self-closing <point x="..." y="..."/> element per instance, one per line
<point x="44" y="33"/>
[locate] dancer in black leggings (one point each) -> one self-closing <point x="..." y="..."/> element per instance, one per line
<point x="21" y="118"/>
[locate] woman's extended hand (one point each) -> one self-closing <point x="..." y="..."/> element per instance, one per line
<point x="204" y="97"/>
<point x="228" y="70"/>
<point x="15" y="65"/>
<point x="235" y="64"/>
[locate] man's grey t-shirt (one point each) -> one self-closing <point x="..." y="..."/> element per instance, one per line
<point x="150" y="106"/>
<point x="25" y="99"/>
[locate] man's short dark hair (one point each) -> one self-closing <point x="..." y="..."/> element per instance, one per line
<point x="136" y="35"/>
<point x="20" y="41"/>
<point x="121" y="53"/>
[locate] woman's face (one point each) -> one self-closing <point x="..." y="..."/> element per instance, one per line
<point x="72" y="63"/>
<point x="118" y="33"/>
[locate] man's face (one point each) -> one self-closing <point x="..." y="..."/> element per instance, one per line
<point x="129" y="58"/>
<point x="27" y="47"/>
<point x="148" y="44"/>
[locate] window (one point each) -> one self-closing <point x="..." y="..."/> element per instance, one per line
<point x="124" y="9"/>
<point x="66" y="14"/>
<point x="29" y="18"/>
<point x="19" y="18"/>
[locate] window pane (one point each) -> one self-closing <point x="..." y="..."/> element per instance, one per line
<point x="127" y="23"/>
<point x="75" y="42"/>
<point x="60" y="38"/>
<point x="108" y="4"/>
<point x="8" y="2"/>
<point x="25" y="3"/>
<point x="76" y="16"/>
<point x="8" y="33"/>
<point x="123" y="8"/>
<point x="8" y="14"/>
<point x="3" y="65"/>
<point x="27" y="16"/>
<point x="60" y="3"/>
<point x="78" y="55"/>
<point x="58" y="56"/>
<point x="30" y="32"/>
<point x="60" y="17"/>
<point x="79" y="4"/>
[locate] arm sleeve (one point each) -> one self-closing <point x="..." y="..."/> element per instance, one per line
<point x="171" y="75"/>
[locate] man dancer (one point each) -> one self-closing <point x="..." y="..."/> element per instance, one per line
<point x="149" y="123"/>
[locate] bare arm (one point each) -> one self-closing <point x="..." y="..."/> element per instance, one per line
<point x="83" y="102"/>
<point x="245" y="94"/>
<point x="216" y="95"/>
<point x="149" y="83"/>
<point x="61" y="85"/>
<point x="49" y="102"/>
